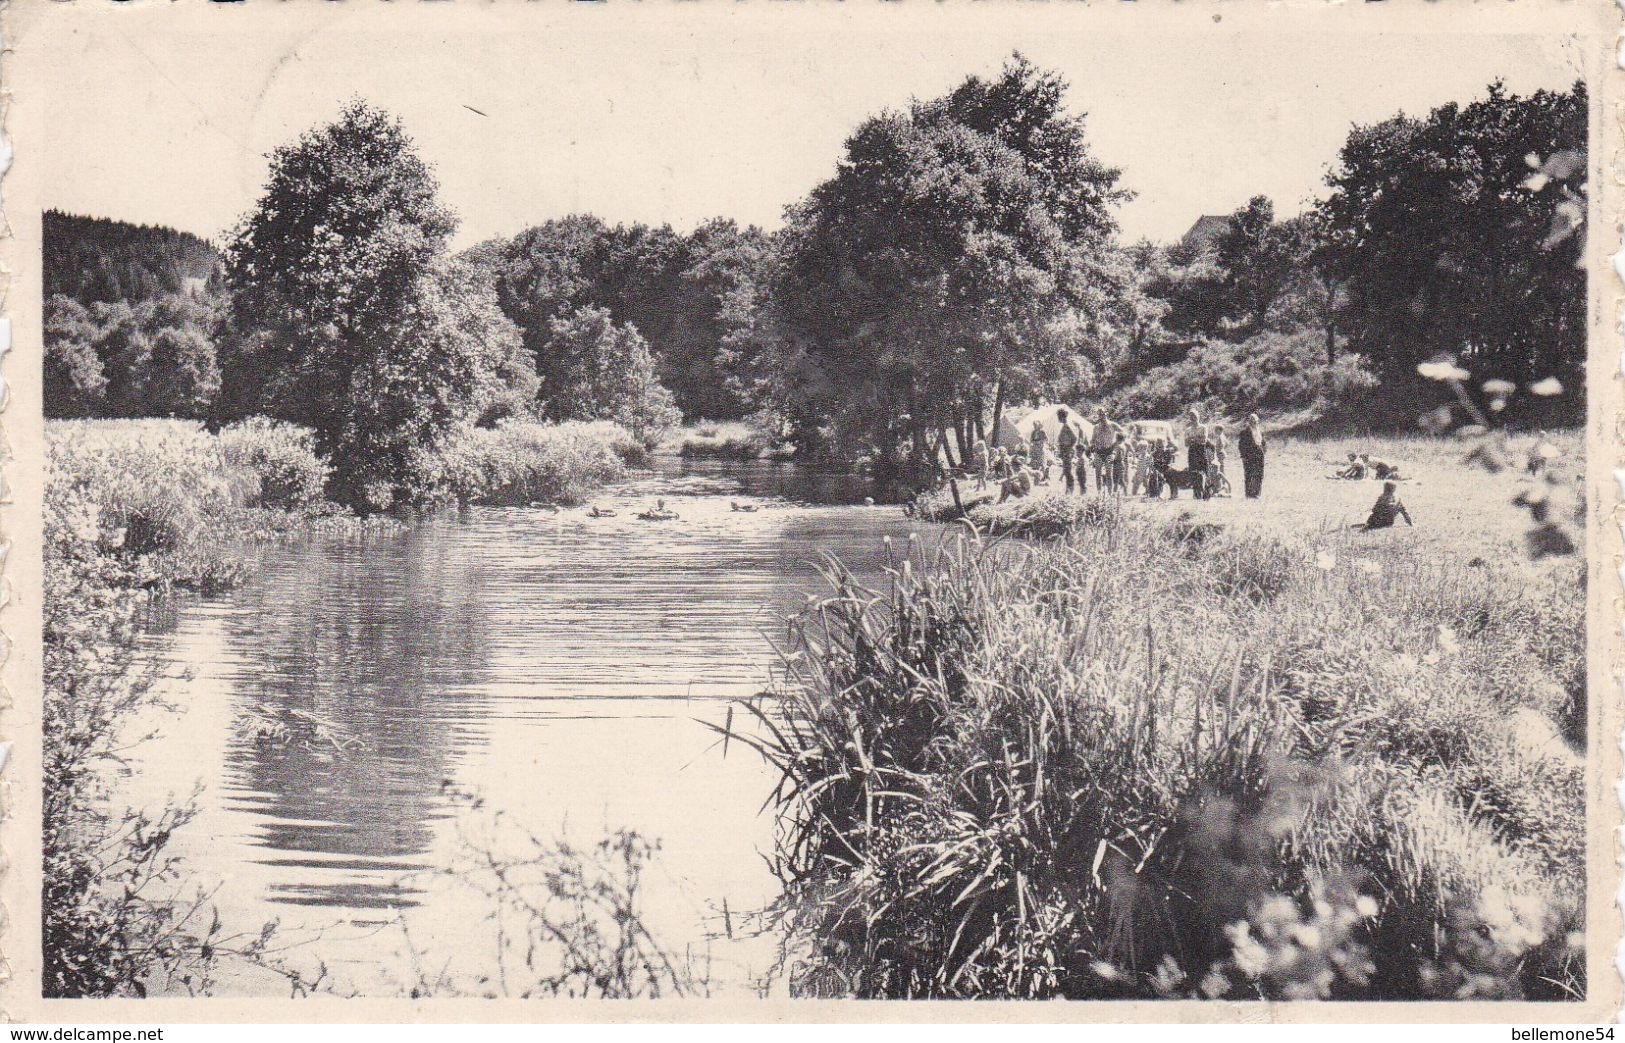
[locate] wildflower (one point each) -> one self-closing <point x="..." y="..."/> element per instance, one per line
<point x="1366" y="906"/>
<point x="1499" y="388"/>
<point x="1546" y="388"/>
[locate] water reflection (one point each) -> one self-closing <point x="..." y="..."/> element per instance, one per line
<point x="559" y="665"/>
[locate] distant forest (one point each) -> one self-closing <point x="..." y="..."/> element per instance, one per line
<point x="96" y="260"/>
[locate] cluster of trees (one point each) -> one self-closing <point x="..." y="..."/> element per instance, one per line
<point x="963" y="258"/>
<point x="689" y="298"/>
<point x="130" y="318"/>
<point x="338" y="306"/>
<point x="1458" y="234"/>
<point x="96" y="260"/>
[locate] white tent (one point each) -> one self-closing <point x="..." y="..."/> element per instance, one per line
<point x="1014" y="432"/>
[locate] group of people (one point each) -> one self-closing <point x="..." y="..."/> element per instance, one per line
<point x="1123" y="459"/>
<point x="1141" y="458"/>
<point x="1361" y="466"/>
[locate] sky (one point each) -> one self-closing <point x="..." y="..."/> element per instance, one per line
<point x="607" y="109"/>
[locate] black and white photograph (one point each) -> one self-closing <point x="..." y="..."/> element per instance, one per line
<point x="787" y="505"/>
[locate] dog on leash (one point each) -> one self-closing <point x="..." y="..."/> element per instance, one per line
<point x="1176" y="479"/>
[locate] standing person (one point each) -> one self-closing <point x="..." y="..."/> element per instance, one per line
<point x="1218" y="481"/>
<point x="1066" y="446"/>
<point x="1251" y="444"/>
<point x="1100" y="448"/>
<point x="1197" y="456"/>
<point x="1038" y="456"/>
<point x="979" y="461"/>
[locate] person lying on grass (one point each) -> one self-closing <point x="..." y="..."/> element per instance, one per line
<point x="1386" y="510"/>
<point x="1380" y="469"/>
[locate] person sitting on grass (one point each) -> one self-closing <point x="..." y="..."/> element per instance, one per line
<point x="1542" y="455"/>
<point x="1018" y="484"/>
<point x="1383" y="470"/>
<point x="1386" y="510"/>
<point x="1354" y="470"/>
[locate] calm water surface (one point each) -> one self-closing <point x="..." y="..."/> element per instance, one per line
<point x="502" y="670"/>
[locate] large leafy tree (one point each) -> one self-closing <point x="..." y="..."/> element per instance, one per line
<point x="713" y="360"/>
<point x="1445" y="244"/>
<point x="344" y="320"/>
<point x="956" y="259"/>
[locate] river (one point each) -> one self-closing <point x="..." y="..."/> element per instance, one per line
<point x="497" y="672"/>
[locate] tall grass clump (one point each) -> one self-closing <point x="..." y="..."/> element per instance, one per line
<point x="1160" y="760"/>
<point x="520" y="463"/>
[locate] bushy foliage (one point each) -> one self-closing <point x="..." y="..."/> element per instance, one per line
<point x="151" y="358"/>
<point x="723" y="441"/>
<point x="593" y="369"/>
<point x="519" y="463"/>
<point x="1155" y="759"/>
<point x="128" y="507"/>
<point x="287" y="473"/>
<point x="1270" y="372"/>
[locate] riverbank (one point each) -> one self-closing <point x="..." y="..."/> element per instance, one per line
<point x="723" y="440"/>
<point x="138" y="508"/>
<point x="1219" y="749"/>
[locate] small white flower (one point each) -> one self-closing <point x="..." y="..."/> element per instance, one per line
<point x="1325" y="561"/>
<point x="1546" y="388"/>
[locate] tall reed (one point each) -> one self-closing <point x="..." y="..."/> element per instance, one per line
<point x="1156" y="759"/>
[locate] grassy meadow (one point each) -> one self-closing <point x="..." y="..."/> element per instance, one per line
<point x="1220" y="749"/>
